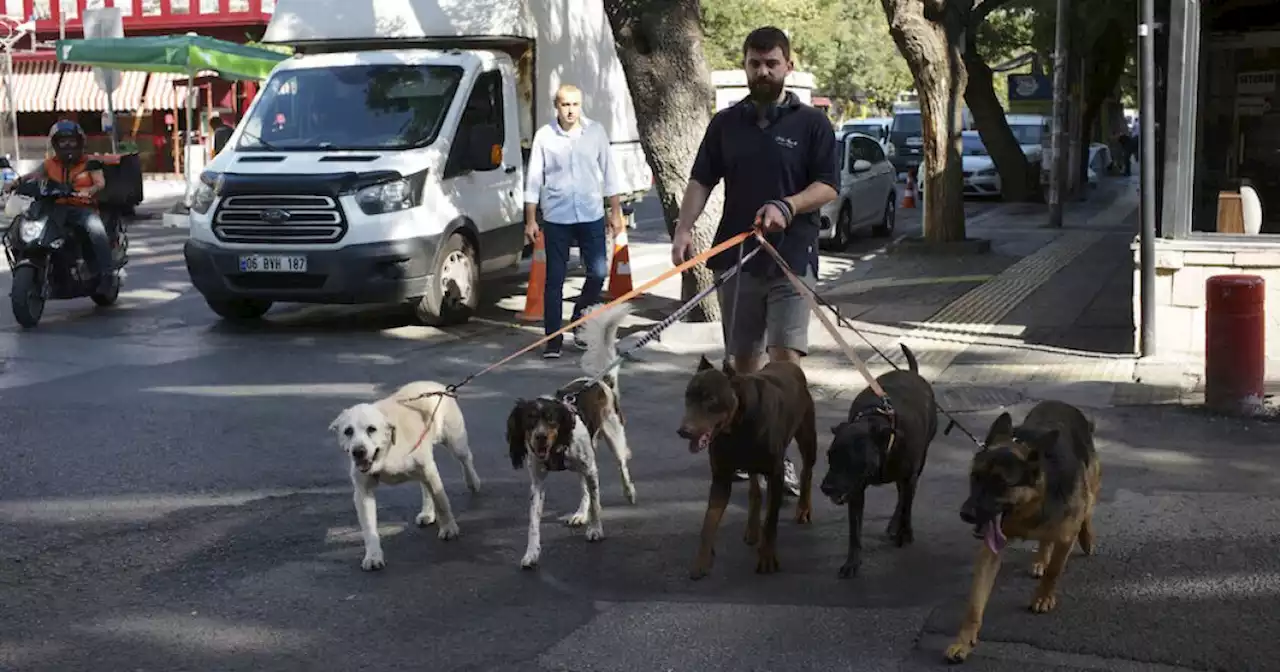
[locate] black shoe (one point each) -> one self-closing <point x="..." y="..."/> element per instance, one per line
<point x="552" y="349"/>
<point x="578" y="342"/>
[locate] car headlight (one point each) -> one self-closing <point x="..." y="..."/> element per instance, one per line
<point x="891" y="150"/>
<point x="32" y="230"/>
<point x="386" y="197"/>
<point x="206" y="193"/>
<point x="989" y="172"/>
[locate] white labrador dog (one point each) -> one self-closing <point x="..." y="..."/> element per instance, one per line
<point x="392" y="441"/>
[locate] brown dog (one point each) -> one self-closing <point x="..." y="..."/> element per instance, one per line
<point x="747" y="421"/>
<point x="1037" y="481"/>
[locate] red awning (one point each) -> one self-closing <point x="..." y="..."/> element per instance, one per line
<point x="35" y="86"/>
<point x="79" y="91"/>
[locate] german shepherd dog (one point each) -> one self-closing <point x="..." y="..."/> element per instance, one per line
<point x="745" y="422"/>
<point x="1037" y="481"/>
<point x="878" y="446"/>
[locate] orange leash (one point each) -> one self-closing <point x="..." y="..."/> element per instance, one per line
<point x="736" y="240"/>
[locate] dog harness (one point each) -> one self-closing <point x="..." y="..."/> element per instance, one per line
<point x="886" y="409"/>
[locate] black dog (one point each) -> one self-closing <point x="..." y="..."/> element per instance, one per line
<point x="879" y="445"/>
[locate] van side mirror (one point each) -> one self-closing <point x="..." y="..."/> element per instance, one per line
<point x="484" y="148"/>
<point x="861" y="166"/>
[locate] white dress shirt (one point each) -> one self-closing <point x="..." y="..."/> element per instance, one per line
<point x="570" y="172"/>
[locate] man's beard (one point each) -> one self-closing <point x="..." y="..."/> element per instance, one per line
<point x="765" y="90"/>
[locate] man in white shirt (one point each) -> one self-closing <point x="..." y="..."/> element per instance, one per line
<point x="569" y="175"/>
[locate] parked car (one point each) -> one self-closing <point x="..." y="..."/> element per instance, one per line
<point x="876" y="127"/>
<point x="868" y="192"/>
<point x="980" y="175"/>
<point x="1032" y="132"/>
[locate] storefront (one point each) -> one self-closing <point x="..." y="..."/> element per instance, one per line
<point x="1221" y="130"/>
<point x="149" y="106"/>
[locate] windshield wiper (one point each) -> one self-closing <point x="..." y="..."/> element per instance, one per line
<point x="261" y="143"/>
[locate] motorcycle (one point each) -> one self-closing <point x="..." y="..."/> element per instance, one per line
<point x="49" y="256"/>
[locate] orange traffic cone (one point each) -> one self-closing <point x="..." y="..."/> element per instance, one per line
<point x="620" y="273"/>
<point x="533" y="297"/>
<point x="909" y="196"/>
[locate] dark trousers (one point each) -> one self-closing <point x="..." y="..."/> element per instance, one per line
<point x="592" y="247"/>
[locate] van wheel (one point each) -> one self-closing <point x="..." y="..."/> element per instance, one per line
<point x="885" y="227"/>
<point x="454" y="292"/>
<point x="239" y="310"/>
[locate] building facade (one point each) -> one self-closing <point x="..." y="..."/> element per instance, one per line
<point x="1217" y="127"/>
<point x="148" y="106"/>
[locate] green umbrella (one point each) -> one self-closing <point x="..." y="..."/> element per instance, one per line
<point x="188" y="55"/>
<point x="179" y="54"/>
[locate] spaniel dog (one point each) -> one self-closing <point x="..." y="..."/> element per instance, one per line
<point x="559" y="433"/>
<point x="393" y="441"/>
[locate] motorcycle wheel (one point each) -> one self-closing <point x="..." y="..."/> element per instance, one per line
<point x="27" y="296"/>
<point x="109" y="297"/>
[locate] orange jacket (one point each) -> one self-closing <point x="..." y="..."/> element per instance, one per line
<point x="79" y="177"/>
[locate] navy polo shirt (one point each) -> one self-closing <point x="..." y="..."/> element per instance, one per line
<point x="796" y="148"/>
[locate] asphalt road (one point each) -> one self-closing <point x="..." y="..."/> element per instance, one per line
<point x="170" y="500"/>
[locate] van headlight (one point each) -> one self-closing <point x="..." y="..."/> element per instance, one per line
<point x="386" y="197"/>
<point x="206" y="193"/>
<point x="890" y="150"/>
<point x="32" y="230"/>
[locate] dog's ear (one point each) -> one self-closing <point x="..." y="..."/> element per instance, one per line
<point x="515" y="435"/>
<point x="704" y="363"/>
<point x="1038" y="442"/>
<point x="1000" y="430"/>
<point x="566" y="422"/>
<point x="333" y="426"/>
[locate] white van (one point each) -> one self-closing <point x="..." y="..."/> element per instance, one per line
<point x="385" y="162"/>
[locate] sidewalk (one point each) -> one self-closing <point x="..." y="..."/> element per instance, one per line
<point x="1046" y="313"/>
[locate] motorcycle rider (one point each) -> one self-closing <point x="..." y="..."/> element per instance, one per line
<point x="70" y="167"/>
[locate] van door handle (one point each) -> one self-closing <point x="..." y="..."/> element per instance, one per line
<point x="509" y="169"/>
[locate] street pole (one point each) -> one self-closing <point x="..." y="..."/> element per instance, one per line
<point x="1147" y="241"/>
<point x="1057" y="169"/>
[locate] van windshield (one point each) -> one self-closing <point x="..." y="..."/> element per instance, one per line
<point x="1027" y="134"/>
<point x="907" y="123"/>
<point x="351" y="107"/>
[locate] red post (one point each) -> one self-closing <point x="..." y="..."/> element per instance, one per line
<point x="1235" y="344"/>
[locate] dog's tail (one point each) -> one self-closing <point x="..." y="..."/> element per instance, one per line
<point x="601" y="337"/>
<point x="911" y="359"/>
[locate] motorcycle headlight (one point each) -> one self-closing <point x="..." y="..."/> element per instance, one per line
<point x="386" y="197"/>
<point x="206" y="193"/>
<point x="32" y="230"/>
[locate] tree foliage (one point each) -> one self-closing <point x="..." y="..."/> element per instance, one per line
<point x="845" y="44"/>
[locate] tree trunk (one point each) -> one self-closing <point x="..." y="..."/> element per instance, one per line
<point x="1016" y="180"/>
<point x="928" y="34"/>
<point x="660" y="45"/>
<point x="1105" y="66"/>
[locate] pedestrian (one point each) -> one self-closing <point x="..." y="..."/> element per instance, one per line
<point x="570" y="177"/>
<point x="1122" y="142"/>
<point x="777" y="158"/>
<point x="221" y="132"/>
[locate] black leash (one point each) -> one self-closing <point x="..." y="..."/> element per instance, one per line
<point x="952" y="423"/>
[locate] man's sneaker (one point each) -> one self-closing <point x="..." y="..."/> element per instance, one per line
<point x="552" y="349"/>
<point x="789" y="478"/>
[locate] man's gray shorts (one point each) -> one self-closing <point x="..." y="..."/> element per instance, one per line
<point x="769" y="312"/>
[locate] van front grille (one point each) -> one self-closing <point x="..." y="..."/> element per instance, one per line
<point x="279" y="220"/>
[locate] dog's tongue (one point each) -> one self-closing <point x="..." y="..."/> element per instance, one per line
<point x="701" y="443"/>
<point x="994" y="536"/>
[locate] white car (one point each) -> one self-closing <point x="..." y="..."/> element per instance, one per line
<point x="980" y="175"/>
<point x="877" y="127"/>
<point x="868" y="193"/>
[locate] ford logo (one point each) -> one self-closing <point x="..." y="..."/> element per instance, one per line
<point x="275" y="216"/>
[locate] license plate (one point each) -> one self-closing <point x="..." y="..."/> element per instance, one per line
<point x="273" y="263"/>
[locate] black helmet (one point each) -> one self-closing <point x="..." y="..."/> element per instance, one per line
<point x="67" y="140"/>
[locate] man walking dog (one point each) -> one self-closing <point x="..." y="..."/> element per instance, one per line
<point x="777" y="158"/>
<point x="570" y="176"/>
